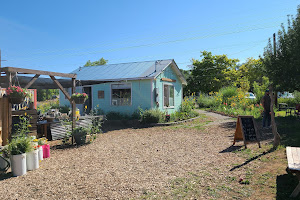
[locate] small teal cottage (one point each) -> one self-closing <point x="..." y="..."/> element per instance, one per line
<point x="128" y="86"/>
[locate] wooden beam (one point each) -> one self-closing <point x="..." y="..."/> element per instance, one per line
<point x="61" y="87"/>
<point x="73" y="107"/>
<point x="168" y="80"/>
<point x="32" y="81"/>
<point x="39" y="72"/>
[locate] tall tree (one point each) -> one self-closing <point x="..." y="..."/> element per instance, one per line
<point x="282" y="62"/>
<point x="212" y="73"/>
<point x="102" y="61"/>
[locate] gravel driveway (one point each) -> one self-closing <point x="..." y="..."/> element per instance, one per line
<point x="126" y="163"/>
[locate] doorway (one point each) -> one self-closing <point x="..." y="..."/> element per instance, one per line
<point x="87" y="106"/>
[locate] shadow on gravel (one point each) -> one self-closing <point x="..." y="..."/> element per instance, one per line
<point x="6" y="176"/>
<point x="231" y="149"/>
<point x="228" y="125"/>
<point x="253" y="158"/>
<point x="286" y="183"/>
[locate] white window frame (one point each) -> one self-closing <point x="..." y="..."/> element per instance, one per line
<point x="120" y="83"/>
<point x="163" y="95"/>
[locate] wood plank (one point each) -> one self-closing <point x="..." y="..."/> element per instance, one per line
<point x="61" y="88"/>
<point x="32" y="81"/>
<point x="168" y="80"/>
<point x="39" y="72"/>
<point x="289" y="156"/>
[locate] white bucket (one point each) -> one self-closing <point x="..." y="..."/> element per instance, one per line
<point x="40" y="153"/>
<point x="18" y="164"/>
<point x="32" y="160"/>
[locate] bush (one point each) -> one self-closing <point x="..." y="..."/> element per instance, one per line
<point x="116" y="116"/>
<point x="152" y="116"/>
<point x="64" y="109"/>
<point x="206" y="101"/>
<point x="227" y="93"/>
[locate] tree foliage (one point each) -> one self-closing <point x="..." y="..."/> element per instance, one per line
<point x="212" y="73"/>
<point x="46" y="94"/>
<point x="102" y="61"/>
<point x="283" y="66"/>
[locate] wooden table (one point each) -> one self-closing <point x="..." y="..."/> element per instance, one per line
<point x="293" y="157"/>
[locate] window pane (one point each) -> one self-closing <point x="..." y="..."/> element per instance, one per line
<point x="121" y="96"/>
<point x="166" y="96"/>
<point x="171" y="99"/>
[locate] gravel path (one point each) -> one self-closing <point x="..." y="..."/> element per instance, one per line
<point x="123" y="164"/>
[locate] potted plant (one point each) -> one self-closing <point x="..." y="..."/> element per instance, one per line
<point x="16" y="94"/>
<point x="32" y="159"/>
<point x="17" y="148"/>
<point x="4" y="160"/>
<point x="41" y="142"/>
<point x="79" y="98"/>
<point x="79" y="135"/>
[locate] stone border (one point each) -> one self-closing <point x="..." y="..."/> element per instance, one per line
<point x="173" y="123"/>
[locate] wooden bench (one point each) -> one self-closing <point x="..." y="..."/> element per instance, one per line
<point x="293" y="158"/>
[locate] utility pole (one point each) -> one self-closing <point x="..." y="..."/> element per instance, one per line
<point x="275" y="54"/>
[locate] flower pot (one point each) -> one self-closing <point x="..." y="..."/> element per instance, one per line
<point x="40" y="152"/>
<point x="16" y="100"/>
<point x="79" y="100"/>
<point x="46" y="151"/>
<point x="32" y="160"/>
<point x="80" y="138"/>
<point x="18" y="164"/>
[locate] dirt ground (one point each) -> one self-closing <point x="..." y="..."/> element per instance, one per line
<point x="191" y="160"/>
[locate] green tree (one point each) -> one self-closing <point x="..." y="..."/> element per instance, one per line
<point x="283" y="65"/>
<point x="252" y="69"/>
<point x="102" y="61"/>
<point x="212" y="73"/>
<point x="46" y="94"/>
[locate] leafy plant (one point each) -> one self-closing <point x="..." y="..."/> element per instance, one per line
<point x="23" y="126"/>
<point x="16" y="91"/>
<point x="152" y="116"/>
<point x="79" y="95"/>
<point x="19" y="145"/>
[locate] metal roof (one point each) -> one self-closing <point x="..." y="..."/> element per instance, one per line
<point x="126" y="71"/>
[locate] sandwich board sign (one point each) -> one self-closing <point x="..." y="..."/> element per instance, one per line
<point x="246" y="130"/>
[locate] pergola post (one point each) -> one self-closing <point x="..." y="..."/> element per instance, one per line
<point x="73" y="107"/>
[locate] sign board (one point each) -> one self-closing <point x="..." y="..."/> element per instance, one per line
<point x="246" y="130"/>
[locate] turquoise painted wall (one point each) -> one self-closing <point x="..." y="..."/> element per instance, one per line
<point x="158" y="83"/>
<point x="140" y="91"/>
<point x="142" y="94"/>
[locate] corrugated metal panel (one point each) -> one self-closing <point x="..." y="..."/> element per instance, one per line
<point x="122" y="71"/>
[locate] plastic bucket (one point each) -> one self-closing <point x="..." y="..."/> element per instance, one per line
<point x="18" y="164"/>
<point x="40" y="152"/>
<point x="32" y="160"/>
<point x="46" y="151"/>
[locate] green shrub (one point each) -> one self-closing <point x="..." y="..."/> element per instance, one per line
<point x="152" y="116"/>
<point x="19" y="145"/>
<point x="206" y="101"/>
<point x="227" y="92"/>
<point x="64" y="109"/>
<point x="116" y="116"/>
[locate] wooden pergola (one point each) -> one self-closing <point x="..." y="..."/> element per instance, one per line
<point x="7" y="74"/>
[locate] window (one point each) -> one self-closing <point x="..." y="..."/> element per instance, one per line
<point x="100" y="94"/>
<point x="168" y="96"/>
<point x="121" y="94"/>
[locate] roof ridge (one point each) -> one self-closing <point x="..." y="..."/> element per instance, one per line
<point x="130" y="62"/>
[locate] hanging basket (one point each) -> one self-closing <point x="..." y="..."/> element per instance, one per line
<point x="16" y="100"/>
<point x="79" y="100"/>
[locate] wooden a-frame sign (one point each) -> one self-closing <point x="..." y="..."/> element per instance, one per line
<point x="246" y="130"/>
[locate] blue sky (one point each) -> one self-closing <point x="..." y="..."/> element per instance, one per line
<point x="62" y="35"/>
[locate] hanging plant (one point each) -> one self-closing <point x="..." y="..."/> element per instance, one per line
<point x="16" y="94"/>
<point x="79" y="98"/>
